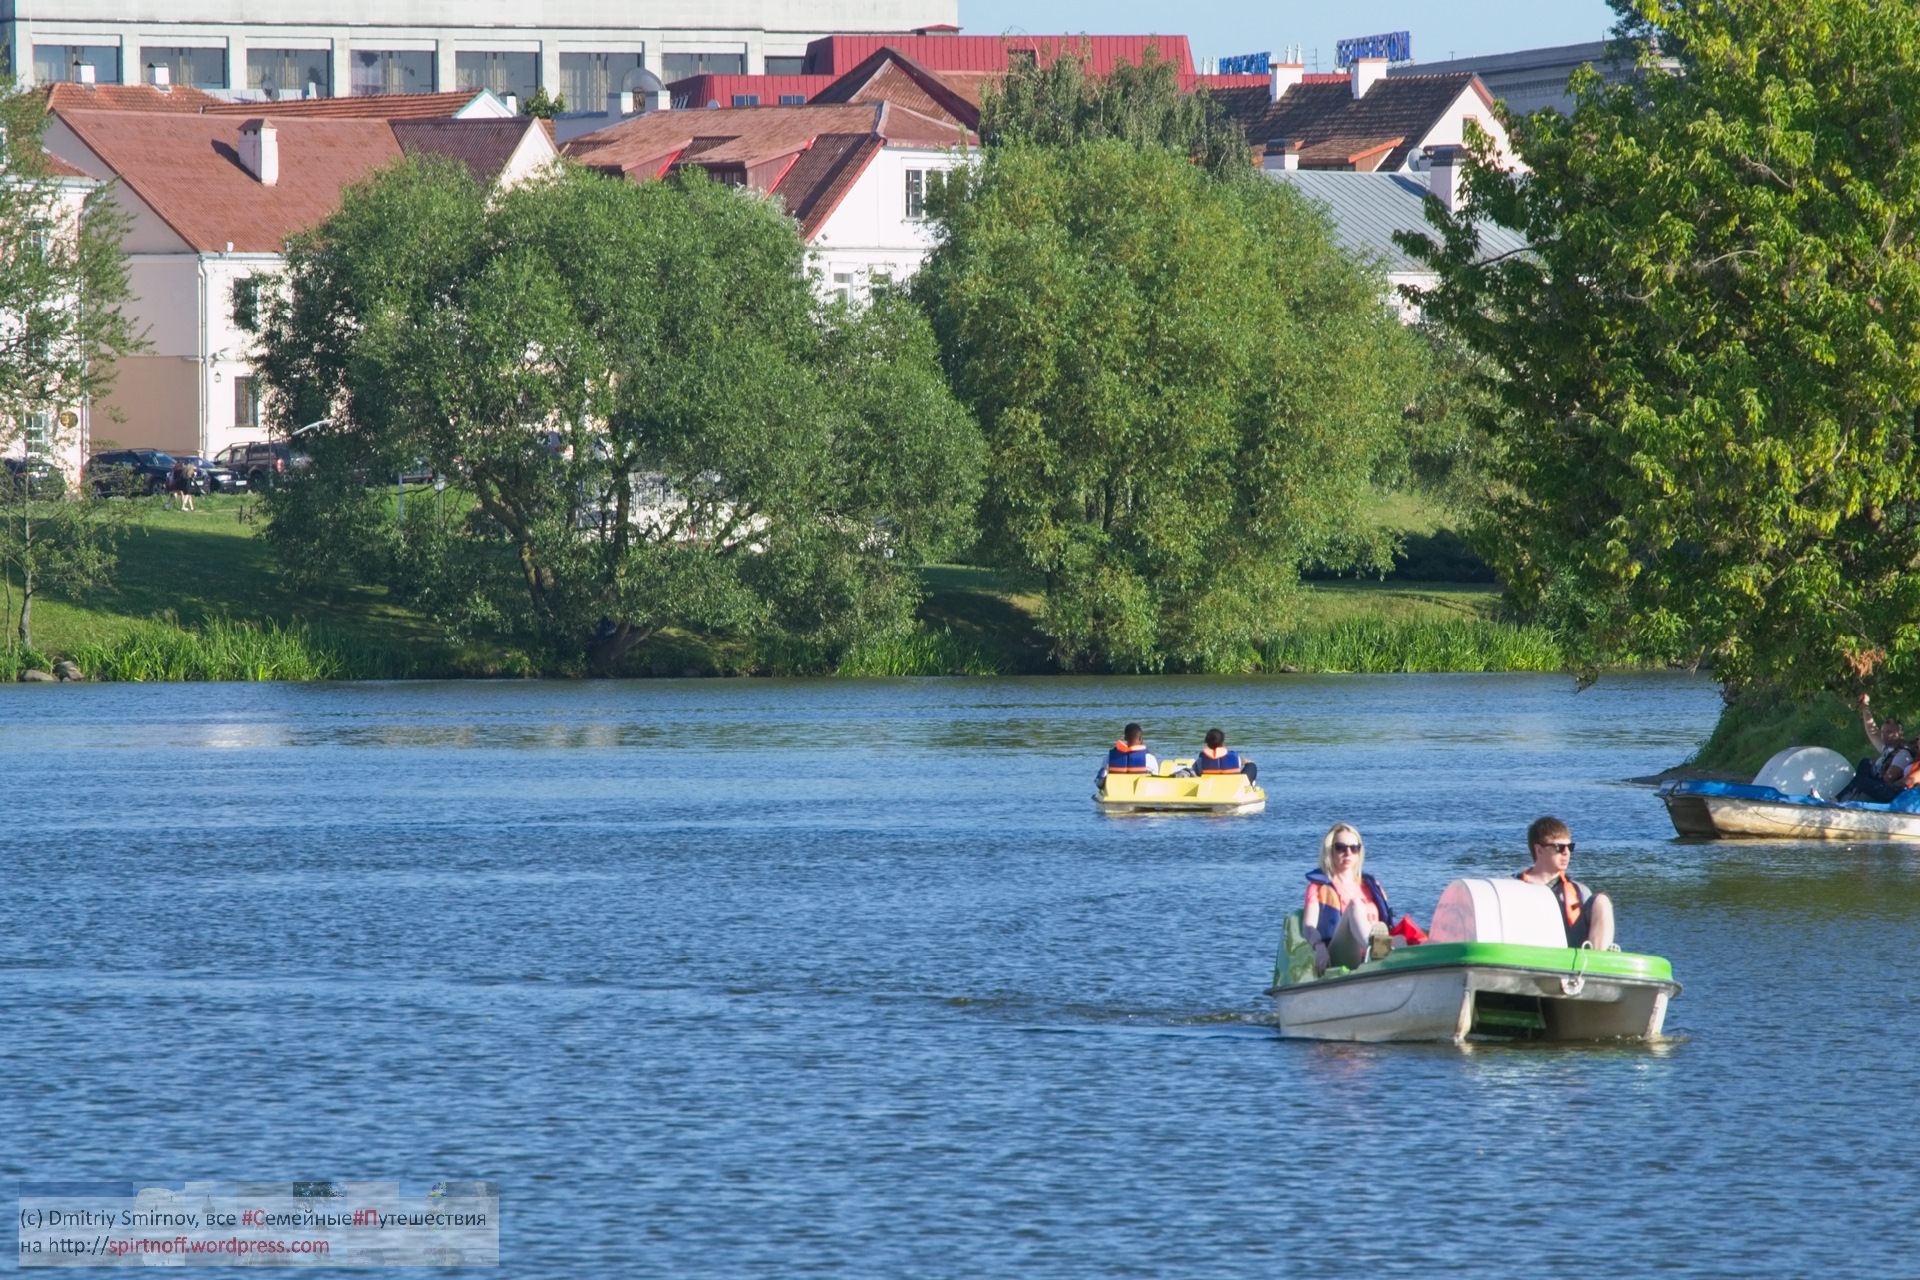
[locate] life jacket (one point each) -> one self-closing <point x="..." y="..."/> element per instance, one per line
<point x="1567" y="891"/>
<point x="1218" y="760"/>
<point x="1320" y="886"/>
<point x="1127" y="759"/>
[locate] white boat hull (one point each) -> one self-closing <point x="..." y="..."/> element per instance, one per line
<point x="1717" y="816"/>
<point x="1450" y="1004"/>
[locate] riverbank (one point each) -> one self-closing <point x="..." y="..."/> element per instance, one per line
<point x="198" y="596"/>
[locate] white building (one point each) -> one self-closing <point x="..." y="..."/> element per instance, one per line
<point x="211" y="199"/>
<point x="852" y="167"/>
<point x="288" y="48"/>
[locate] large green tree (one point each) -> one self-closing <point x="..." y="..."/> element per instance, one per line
<point x="1061" y="102"/>
<point x="63" y="281"/>
<point x="649" y="419"/>
<point x="1707" y="370"/>
<point x="1185" y="389"/>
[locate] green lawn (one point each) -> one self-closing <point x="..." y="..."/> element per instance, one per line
<point x="203" y="568"/>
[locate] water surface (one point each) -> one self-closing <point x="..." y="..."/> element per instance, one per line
<point x="724" y="978"/>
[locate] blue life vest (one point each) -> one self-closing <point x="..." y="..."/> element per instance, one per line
<point x="1126" y="759"/>
<point x="1218" y="760"/>
<point x="1329" y="915"/>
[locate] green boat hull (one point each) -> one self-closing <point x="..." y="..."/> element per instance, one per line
<point x="1461" y="990"/>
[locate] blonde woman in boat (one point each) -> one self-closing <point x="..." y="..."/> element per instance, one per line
<point x="1346" y="917"/>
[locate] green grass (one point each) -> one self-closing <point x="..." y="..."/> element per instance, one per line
<point x="198" y="596"/>
<point x="1753" y="728"/>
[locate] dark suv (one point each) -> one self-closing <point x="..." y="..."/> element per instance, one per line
<point x="34" y="476"/>
<point x="129" y="471"/>
<point x="261" y="462"/>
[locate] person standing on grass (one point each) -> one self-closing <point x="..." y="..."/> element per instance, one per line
<point x="180" y="481"/>
<point x="1587" y="915"/>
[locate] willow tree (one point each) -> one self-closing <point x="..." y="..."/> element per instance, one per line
<point x="648" y="418"/>
<point x="1185" y="389"/>
<point x="1708" y="367"/>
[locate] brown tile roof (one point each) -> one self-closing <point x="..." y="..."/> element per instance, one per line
<point x="380" y="106"/>
<point x="1330" y="125"/>
<point x="54" y="167"/>
<point x="808" y="156"/>
<point x="484" y="146"/>
<point x="127" y="97"/>
<point x="187" y="167"/>
<point x="887" y="75"/>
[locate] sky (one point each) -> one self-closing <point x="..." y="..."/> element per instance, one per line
<point x="1441" y="28"/>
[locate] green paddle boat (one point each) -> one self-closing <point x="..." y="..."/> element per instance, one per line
<point x="1479" y="987"/>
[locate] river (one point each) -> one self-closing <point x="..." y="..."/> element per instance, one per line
<point x="730" y="978"/>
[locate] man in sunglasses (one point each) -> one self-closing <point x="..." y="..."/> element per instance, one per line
<point x="1587" y="915"/>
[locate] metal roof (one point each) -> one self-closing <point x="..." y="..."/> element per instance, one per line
<point x="1367" y="208"/>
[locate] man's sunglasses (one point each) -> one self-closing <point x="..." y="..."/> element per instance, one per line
<point x="1558" y="846"/>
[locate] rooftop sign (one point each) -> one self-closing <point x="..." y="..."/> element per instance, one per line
<point x="1394" y="46"/>
<point x="1247" y="64"/>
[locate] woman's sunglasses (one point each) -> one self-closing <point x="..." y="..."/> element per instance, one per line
<point x="1341" y="846"/>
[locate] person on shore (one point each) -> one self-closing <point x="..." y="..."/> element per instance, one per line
<point x="1129" y="755"/>
<point x="1217" y="758"/>
<point x="1346" y="917"/>
<point x="1587" y="915"/>
<point x="1883" y="775"/>
<point x="180" y="481"/>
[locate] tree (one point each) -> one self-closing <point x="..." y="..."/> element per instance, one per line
<point x="1061" y="104"/>
<point x="542" y="107"/>
<point x="1706" y="388"/>
<point x="1184" y="385"/>
<point x="62" y="281"/>
<point x="649" y="419"/>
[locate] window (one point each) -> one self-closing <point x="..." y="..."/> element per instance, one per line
<point x="916" y="193"/>
<point x="843" y="286"/>
<point x="246" y="401"/>
<point x="746" y="99"/>
<point x="291" y="73"/>
<point x="375" y="71"/>
<point x="588" y="79"/>
<point x="508" y="75"/>
<point x="678" y="66"/>
<point x="194" y="68"/>
<point x="38" y="442"/>
<point x="53" y="62"/>
<point x="793" y="99"/>
<point x="786" y="66"/>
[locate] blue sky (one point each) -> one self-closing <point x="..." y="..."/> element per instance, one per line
<point x="1440" y="27"/>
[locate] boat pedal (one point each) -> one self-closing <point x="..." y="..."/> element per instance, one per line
<point x="1496" y="1013"/>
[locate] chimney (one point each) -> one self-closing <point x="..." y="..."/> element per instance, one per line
<point x="1285" y="76"/>
<point x="162" y="77"/>
<point x="84" y="74"/>
<point x="1281" y="154"/>
<point x="1443" y="177"/>
<point x="619" y="106"/>
<point x="1365" y="71"/>
<point x="260" y="151"/>
<point x="513" y="104"/>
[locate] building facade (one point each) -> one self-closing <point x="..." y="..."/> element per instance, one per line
<point x="581" y="50"/>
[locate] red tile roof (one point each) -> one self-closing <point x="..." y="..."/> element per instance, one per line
<point x="808" y="156"/>
<point x="887" y="75"/>
<point x="64" y="96"/>
<point x="373" y="106"/>
<point x="187" y="167"/>
<point x="1335" y="130"/>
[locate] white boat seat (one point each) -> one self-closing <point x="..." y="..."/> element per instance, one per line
<point x="1510" y="911"/>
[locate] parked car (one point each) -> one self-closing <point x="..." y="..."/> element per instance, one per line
<point x="260" y="462"/>
<point x="37" y="476"/>
<point x="129" y="471"/>
<point x="218" y="479"/>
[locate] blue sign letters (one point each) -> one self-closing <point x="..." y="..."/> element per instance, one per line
<point x="1247" y="64"/>
<point x="1394" y="46"/>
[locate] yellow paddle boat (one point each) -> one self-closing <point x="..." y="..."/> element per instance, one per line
<point x="1163" y="793"/>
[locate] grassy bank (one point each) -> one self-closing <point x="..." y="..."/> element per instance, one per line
<point x="198" y="597"/>
<point x="1752" y="729"/>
